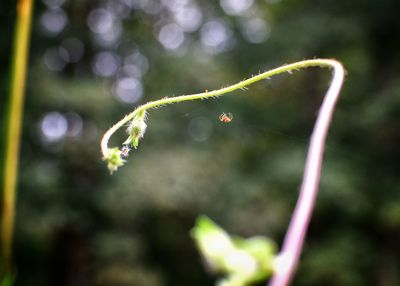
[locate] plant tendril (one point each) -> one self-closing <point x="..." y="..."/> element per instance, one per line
<point x="288" y="257"/>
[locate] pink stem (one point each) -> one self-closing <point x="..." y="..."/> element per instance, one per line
<point x="288" y="258"/>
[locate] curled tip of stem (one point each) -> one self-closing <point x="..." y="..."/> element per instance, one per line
<point x="136" y="119"/>
<point x="114" y="159"/>
<point x="136" y="129"/>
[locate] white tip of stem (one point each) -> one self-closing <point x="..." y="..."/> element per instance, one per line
<point x="282" y="263"/>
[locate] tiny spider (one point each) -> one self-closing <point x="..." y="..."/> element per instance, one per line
<point x="226" y="117"/>
<point x="125" y="151"/>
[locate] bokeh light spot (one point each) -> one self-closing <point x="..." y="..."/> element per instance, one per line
<point x="215" y="36"/>
<point x="189" y="17"/>
<point x="100" y="21"/>
<point x="235" y="7"/>
<point x="106" y="64"/>
<point x="171" y="36"/>
<point x="255" y="30"/>
<point x="53" y="126"/>
<point x="135" y="64"/>
<point x="54" y="21"/>
<point x="128" y="90"/>
<point x="119" y="8"/>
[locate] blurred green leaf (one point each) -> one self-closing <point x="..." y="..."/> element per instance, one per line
<point x="244" y="261"/>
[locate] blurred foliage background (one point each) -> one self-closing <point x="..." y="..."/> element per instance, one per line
<point x="93" y="61"/>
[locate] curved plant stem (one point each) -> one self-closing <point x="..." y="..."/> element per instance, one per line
<point x="13" y="119"/>
<point x="212" y="94"/>
<point x="293" y="243"/>
<point x="288" y="258"/>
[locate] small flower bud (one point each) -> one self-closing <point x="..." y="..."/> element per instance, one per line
<point x="136" y="129"/>
<point x="114" y="159"/>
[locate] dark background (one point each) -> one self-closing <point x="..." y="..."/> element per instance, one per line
<point x="91" y="62"/>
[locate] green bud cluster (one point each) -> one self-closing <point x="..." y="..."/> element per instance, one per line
<point x="114" y="159"/>
<point x="136" y="129"/>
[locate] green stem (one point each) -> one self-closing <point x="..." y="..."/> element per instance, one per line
<point x="209" y="94"/>
<point x="13" y="119"/>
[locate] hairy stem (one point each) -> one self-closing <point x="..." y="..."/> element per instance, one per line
<point x="288" y="258"/>
<point x="212" y="94"/>
<point x="13" y="119"/>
